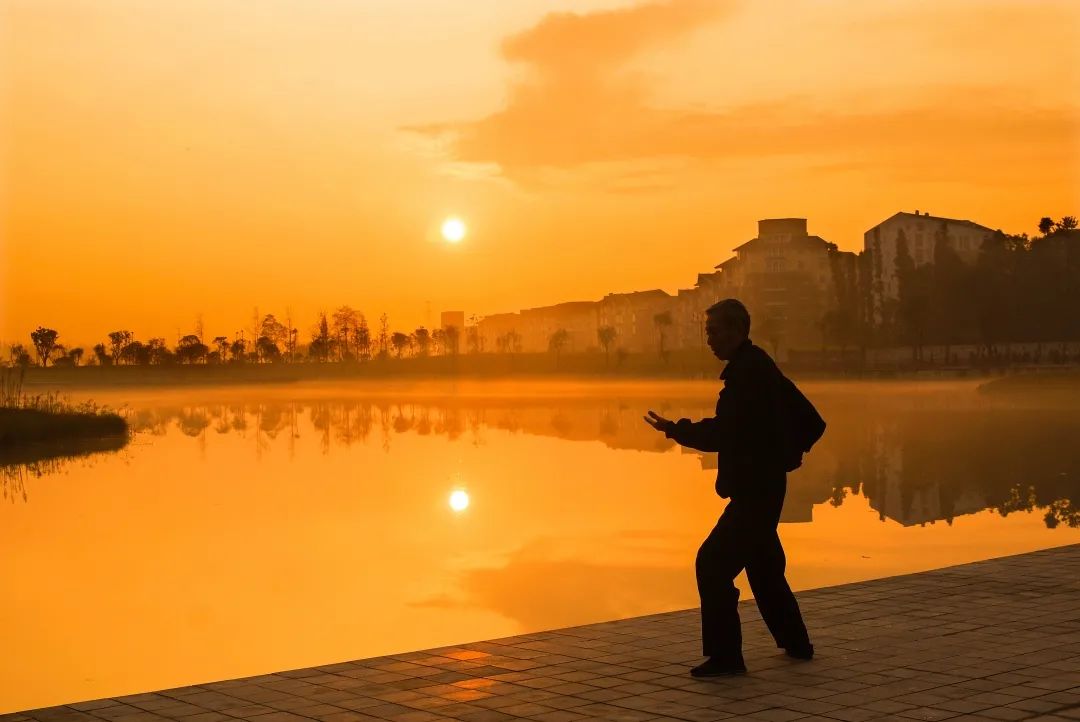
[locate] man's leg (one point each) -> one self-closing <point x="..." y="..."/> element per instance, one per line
<point x="765" y="567"/>
<point x="719" y="561"/>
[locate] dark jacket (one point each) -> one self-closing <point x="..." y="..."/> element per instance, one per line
<point x="747" y="431"/>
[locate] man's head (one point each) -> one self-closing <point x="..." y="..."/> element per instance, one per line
<point x="727" y="324"/>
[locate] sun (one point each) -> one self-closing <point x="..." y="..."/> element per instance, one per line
<point x="459" y="500"/>
<point x="453" y="230"/>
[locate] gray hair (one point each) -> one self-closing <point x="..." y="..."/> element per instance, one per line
<point x="731" y="313"/>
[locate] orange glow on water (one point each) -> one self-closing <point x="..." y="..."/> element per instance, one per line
<point x="244" y="532"/>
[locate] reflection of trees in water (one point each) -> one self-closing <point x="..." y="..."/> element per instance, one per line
<point x="1062" y="510"/>
<point x="192" y="422"/>
<point x="14" y="473"/>
<point x="921" y="466"/>
<point x="150" y="421"/>
<point x="914" y="465"/>
<point x="1058" y="511"/>
<point x="336" y="422"/>
<point x="348" y="422"/>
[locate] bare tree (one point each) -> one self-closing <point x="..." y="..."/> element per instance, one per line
<point x="557" y="342"/>
<point x="663" y="323"/>
<point x="452" y="339"/>
<point x="320" y="346"/>
<point x="290" y="343"/>
<point x="513" y="341"/>
<point x="362" y="339"/>
<point x="606" y="336"/>
<point x="474" y="340"/>
<point x="384" y="335"/>
<point x="345" y="320"/>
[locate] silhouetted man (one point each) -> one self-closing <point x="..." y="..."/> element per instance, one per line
<point x="752" y="432"/>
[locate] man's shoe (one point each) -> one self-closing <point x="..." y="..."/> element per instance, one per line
<point x="716" y="667"/>
<point x="806" y="652"/>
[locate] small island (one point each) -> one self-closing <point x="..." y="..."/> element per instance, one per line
<point x="45" y="425"/>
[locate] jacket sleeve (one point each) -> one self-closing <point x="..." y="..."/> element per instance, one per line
<point x="708" y="434"/>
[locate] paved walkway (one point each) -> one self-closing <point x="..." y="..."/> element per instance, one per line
<point x="994" y="640"/>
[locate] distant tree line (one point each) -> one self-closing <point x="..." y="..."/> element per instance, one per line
<point x="1019" y="289"/>
<point x="343" y="336"/>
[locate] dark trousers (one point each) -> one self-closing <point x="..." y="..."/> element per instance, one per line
<point x="745" y="538"/>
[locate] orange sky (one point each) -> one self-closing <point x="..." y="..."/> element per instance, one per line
<point x="166" y="159"/>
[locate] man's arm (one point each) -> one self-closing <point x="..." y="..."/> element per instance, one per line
<point x="704" y="435"/>
<point x="708" y="434"/>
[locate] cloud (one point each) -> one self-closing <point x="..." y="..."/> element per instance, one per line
<point x="579" y="111"/>
<point x="575" y="103"/>
<point x="573" y="49"/>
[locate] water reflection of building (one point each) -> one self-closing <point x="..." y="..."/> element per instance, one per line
<point x="922" y="466"/>
<point x="927" y="504"/>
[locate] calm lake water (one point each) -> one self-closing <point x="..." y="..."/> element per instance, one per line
<point x="250" y="530"/>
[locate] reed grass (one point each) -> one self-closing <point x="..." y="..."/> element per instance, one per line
<point x="49" y="417"/>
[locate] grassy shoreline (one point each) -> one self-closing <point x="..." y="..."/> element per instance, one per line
<point x="32" y="426"/>
<point x="31" y="420"/>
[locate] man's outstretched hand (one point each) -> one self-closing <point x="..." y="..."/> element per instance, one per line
<point x="658" y="422"/>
